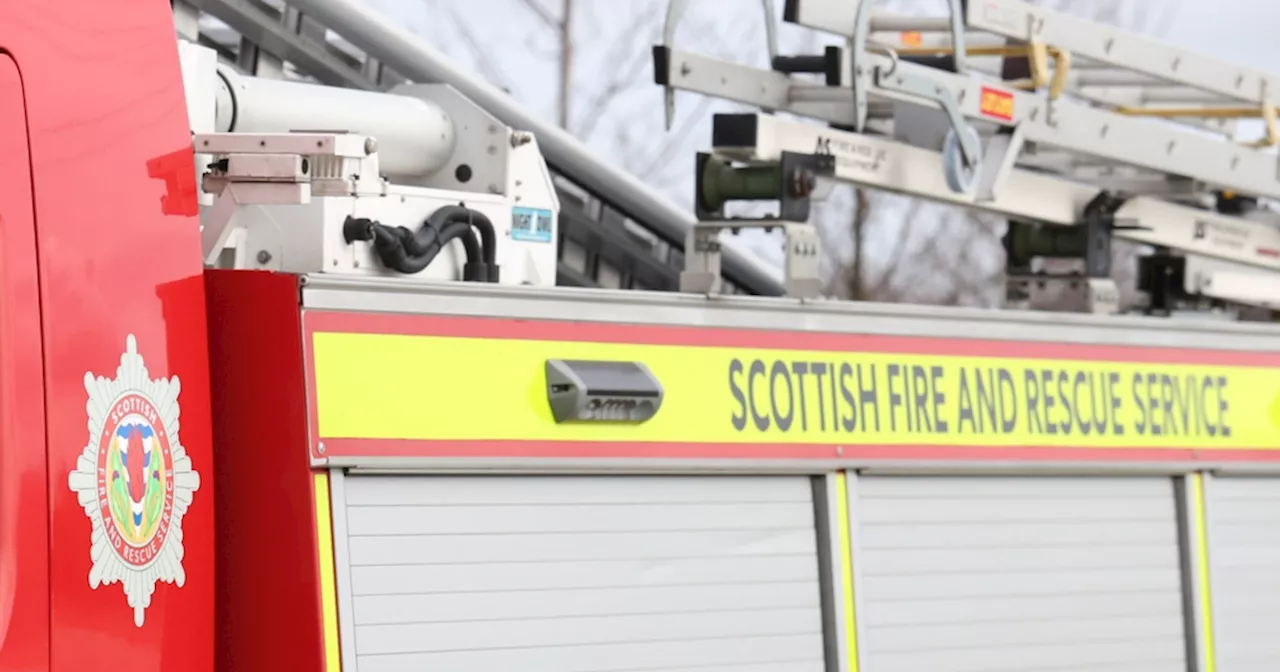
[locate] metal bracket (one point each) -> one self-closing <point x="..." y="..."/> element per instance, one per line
<point x="861" y="40"/>
<point x="278" y="169"/>
<point x="701" y="274"/>
<point x="789" y="181"/>
<point x="675" y="12"/>
<point x="928" y="90"/>
<point x="334" y="164"/>
<point x="962" y="150"/>
<point x="1002" y="154"/>
<point x="219" y="223"/>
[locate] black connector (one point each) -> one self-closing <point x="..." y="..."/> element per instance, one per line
<point x="409" y="252"/>
<point x="828" y="65"/>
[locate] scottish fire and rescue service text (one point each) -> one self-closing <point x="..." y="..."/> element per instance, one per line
<point x="783" y="397"/>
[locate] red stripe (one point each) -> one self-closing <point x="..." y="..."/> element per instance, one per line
<point x="600" y="332"/>
<point x="772" y="451"/>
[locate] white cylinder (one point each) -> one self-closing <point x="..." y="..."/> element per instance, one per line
<point x="415" y="137"/>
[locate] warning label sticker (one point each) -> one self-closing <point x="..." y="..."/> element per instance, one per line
<point x="996" y="104"/>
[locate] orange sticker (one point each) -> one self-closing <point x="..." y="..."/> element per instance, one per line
<point x="912" y="39"/>
<point x="996" y="104"/>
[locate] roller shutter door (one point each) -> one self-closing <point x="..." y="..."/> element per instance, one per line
<point x="1244" y="538"/>
<point x="1019" y="574"/>
<point x="582" y="574"/>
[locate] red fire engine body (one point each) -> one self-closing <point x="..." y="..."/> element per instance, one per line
<point x="175" y="442"/>
<point x="78" y="108"/>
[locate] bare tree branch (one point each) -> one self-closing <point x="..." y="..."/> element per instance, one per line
<point x="861" y="213"/>
<point x="876" y="290"/>
<point x="548" y="19"/>
<point x="625" y="78"/>
<point x="675" y="141"/>
<point x="566" y="60"/>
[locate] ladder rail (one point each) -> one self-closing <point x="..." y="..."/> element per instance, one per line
<point x="1070" y="126"/>
<point x="1102" y="56"/>
<point x="1170" y="122"/>
<point x="886" y="165"/>
<point x="1106" y="45"/>
<point x="1136" y="154"/>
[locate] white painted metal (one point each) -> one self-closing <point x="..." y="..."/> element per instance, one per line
<point x="393" y="44"/>
<point x="1244" y="552"/>
<point x="838" y="317"/>
<point x="1004" y="573"/>
<point x="1243" y="288"/>
<point x="1104" y="44"/>
<point x="284" y="201"/>
<point x="201" y="86"/>
<point x="1064" y="124"/>
<point x="580" y="574"/>
<point x="415" y="137"/>
<point x="1122" y="49"/>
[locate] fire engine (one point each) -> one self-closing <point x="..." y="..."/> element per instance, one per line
<point x="289" y="378"/>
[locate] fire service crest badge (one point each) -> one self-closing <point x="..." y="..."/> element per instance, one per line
<point x="134" y="480"/>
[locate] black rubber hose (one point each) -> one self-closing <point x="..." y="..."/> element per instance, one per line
<point x="389" y="243"/>
<point x="410" y="264"/>
<point x="459" y="213"/>
<point x="469" y="243"/>
<point x="488" y="237"/>
<point x="393" y="245"/>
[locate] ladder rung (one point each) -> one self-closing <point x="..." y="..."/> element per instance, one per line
<point x="898" y="23"/>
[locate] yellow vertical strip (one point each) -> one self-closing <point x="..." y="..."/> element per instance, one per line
<point x="846" y="569"/>
<point x="1202" y="562"/>
<point x="328" y="590"/>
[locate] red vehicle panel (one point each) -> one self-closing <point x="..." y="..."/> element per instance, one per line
<point x="118" y="246"/>
<point x="269" y="599"/>
<point x="24" y="534"/>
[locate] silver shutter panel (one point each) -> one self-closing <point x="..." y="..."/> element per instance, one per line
<point x="996" y="574"/>
<point x="1244" y="553"/>
<point x="583" y="574"/>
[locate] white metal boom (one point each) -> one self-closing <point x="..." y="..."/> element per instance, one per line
<point x="1038" y="116"/>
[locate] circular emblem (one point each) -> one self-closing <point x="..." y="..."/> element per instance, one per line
<point x="135" y="470"/>
<point x="134" y="480"/>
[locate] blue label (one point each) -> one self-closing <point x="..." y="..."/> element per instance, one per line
<point x="531" y="225"/>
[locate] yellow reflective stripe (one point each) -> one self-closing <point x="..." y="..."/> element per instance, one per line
<point x="846" y="569"/>
<point x="328" y="590"/>
<point x="1202" y="560"/>
<point x="374" y="386"/>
